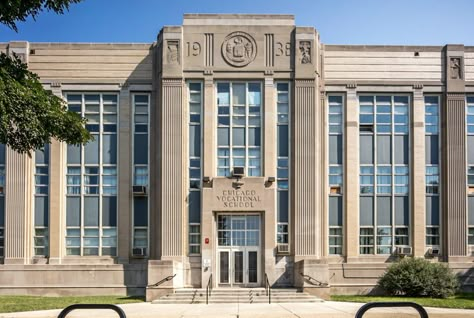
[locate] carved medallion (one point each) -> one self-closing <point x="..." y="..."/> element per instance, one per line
<point x="239" y="49"/>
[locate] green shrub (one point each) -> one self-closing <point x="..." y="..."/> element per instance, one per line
<point x="418" y="277"/>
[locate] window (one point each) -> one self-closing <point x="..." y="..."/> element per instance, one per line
<point x="335" y="120"/>
<point x="238" y="230"/>
<point x="283" y="159"/>
<point x="41" y="214"/>
<point x="384" y="173"/>
<point x="470" y="168"/>
<point x="141" y="109"/>
<point x="195" y="175"/>
<point x="194" y="238"/>
<point x="91" y="180"/>
<point x="2" y="200"/>
<point x="239" y="128"/>
<point x="432" y="170"/>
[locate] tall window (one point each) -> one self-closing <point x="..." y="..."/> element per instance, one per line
<point x="91" y="181"/>
<point x="41" y="241"/>
<point x="432" y="170"/>
<point x="239" y="128"/>
<point x="141" y="108"/>
<point x="335" y="173"/>
<point x="194" y="193"/>
<point x="384" y="173"/>
<point x="2" y="200"/>
<point x="283" y="143"/>
<point x="470" y="168"/>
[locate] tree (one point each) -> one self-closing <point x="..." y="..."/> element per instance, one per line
<point x="18" y="10"/>
<point x="30" y="115"/>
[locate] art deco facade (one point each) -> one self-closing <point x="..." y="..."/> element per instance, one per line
<point x="239" y="146"/>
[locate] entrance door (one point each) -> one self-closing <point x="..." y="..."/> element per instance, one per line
<point x="238" y="253"/>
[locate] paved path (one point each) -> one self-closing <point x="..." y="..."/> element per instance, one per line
<point x="286" y="310"/>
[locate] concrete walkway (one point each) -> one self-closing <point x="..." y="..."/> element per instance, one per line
<point x="325" y="309"/>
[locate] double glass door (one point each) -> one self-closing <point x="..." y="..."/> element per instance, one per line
<point x="238" y="253"/>
<point x="238" y="267"/>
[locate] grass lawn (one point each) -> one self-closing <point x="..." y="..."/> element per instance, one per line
<point x="29" y="303"/>
<point x="460" y="301"/>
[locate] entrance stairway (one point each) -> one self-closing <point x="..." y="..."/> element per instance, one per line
<point x="236" y="295"/>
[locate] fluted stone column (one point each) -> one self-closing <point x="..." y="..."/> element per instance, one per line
<point x="18" y="207"/>
<point x="18" y="192"/>
<point x="454" y="211"/>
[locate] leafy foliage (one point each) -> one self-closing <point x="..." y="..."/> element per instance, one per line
<point x="30" y="115"/>
<point x="18" y="10"/>
<point x="418" y="277"/>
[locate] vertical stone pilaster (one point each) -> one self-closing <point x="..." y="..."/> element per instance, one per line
<point x="209" y="129"/>
<point x="18" y="207"/>
<point x="57" y="177"/>
<point x="56" y="201"/>
<point x="324" y="149"/>
<point x="454" y="211"/>
<point x="351" y="175"/>
<point x="168" y="214"/>
<point x="124" y="160"/>
<point x="18" y="191"/>
<point x="173" y="162"/>
<point x="418" y="202"/>
<point x="306" y="194"/>
<point x="305" y="163"/>
<point x="270" y="118"/>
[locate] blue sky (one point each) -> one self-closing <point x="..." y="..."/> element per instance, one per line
<point x="397" y="22"/>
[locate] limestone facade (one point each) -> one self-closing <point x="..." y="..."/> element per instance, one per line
<point x="244" y="229"/>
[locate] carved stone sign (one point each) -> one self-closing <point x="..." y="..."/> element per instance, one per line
<point x="239" y="198"/>
<point x="239" y="49"/>
<point x="455" y="68"/>
<point x="305" y="50"/>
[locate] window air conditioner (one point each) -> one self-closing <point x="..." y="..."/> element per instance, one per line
<point x="238" y="172"/>
<point x="139" y="251"/>
<point x="402" y="250"/>
<point x="434" y="251"/>
<point x="139" y="190"/>
<point x="283" y="249"/>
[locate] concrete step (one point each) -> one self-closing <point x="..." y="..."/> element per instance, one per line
<point x="236" y="295"/>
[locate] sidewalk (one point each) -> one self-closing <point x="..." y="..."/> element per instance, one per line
<point x="328" y="309"/>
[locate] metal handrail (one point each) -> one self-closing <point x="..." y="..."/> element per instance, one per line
<point x="268" y="289"/>
<point x="309" y="278"/>
<point x="166" y="279"/>
<point x="208" y="289"/>
<point x="364" y="308"/>
<point x="115" y="308"/>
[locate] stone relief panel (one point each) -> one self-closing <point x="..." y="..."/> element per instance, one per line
<point x="172" y="52"/>
<point x="305" y="52"/>
<point x="455" y="68"/>
<point x="239" y="49"/>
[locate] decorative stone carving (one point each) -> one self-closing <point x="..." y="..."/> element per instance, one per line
<point x="172" y="56"/>
<point x="455" y="68"/>
<point x="305" y="49"/>
<point x="239" y="49"/>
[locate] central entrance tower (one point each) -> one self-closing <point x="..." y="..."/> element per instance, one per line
<point x="235" y="198"/>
